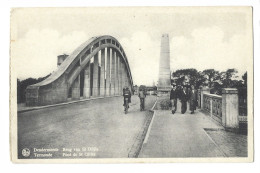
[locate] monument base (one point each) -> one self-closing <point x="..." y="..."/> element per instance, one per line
<point x="161" y="91"/>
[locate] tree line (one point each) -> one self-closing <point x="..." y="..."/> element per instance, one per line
<point x="216" y="80"/>
<point x="22" y="85"/>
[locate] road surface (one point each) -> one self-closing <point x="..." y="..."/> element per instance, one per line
<point x="92" y="129"/>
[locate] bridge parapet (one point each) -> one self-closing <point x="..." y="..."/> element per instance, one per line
<point x="213" y="105"/>
<point x="224" y="109"/>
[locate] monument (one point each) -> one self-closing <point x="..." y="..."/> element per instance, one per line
<point x="164" y="83"/>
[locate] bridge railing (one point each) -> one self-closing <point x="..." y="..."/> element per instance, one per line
<point x="230" y="109"/>
<point x="213" y="105"/>
<point x="242" y="95"/>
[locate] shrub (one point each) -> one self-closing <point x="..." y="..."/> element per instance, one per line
<point x="165" y="104"/>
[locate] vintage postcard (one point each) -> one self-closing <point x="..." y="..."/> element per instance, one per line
<point x="131" y="84"/>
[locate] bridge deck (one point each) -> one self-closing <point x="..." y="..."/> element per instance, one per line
<point x="97" y="123"/>
<point x="102" y="123"/>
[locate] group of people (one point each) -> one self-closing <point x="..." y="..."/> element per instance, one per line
<point x="184" y="94"/>
<point x="141" y="95"/>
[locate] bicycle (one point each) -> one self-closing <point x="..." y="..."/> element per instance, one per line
<point x="126" y="104"/>
<point x="141" y="104"/>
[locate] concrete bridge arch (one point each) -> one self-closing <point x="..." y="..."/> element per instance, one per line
<point x="97" y="68"/>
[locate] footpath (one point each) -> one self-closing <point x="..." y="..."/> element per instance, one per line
<point x="189" y="135"/>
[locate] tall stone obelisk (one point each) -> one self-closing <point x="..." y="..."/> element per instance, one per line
<point x="164" y="83"/>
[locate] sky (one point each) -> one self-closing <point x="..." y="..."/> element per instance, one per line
<point x="200" y="38"/>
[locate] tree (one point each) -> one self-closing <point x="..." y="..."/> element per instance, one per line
<point x="201" y="80"/>
<point x="22" y="85"/>
<point x="228" y="77"/>
<point x="212" y="76"/>
<point x="191" y="73"/>
<point x="244" y="77"/>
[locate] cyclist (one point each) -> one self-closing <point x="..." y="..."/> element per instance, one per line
<point x="126" y="94"/>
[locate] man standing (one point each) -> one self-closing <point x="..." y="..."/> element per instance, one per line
<point x="142" y="96"/>
<point x="193" y="99"/>
<point x="184" y="99"/>
<point x="173" y="98"/>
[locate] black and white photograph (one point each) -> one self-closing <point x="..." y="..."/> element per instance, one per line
<point x="131" y="84"/>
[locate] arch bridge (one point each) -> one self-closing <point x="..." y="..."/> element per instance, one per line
<point x="97" y="68"/>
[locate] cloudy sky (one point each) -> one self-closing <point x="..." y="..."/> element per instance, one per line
<point x="201" y="37"/>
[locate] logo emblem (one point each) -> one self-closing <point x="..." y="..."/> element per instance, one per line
<point x="26" y="152"/>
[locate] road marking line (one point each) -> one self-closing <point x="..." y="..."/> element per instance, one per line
<point x="141" y="137"/>
<point x="154" y="105"/>
<point x="149" y="129"/>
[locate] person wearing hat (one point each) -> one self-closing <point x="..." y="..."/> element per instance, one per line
<point x="142" y="96"/>
<point x="173" y="98"/>
<point x="193" y="99"/>
<point x="184" y="97"/>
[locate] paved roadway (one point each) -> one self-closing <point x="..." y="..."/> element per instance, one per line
<point x="95" y="125"/>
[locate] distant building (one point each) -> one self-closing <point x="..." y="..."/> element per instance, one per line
<point x="61" y="58"/>
<point x="136" y="88"/>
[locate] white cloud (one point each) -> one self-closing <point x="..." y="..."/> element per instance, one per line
<point x="143" y="56"/>
<point x="36" y="53"/>
<point x="208" y="49"/>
